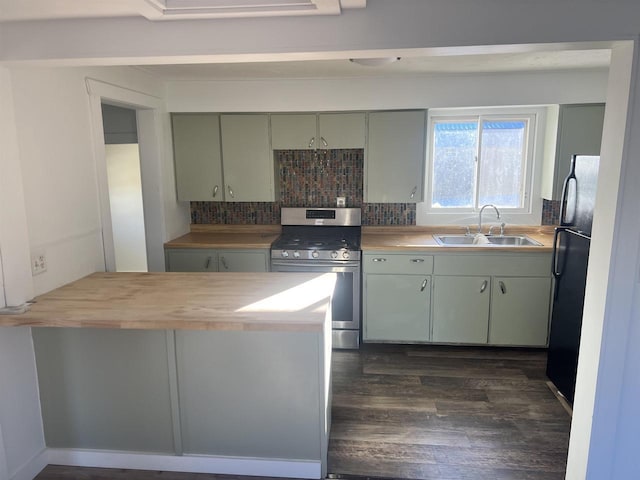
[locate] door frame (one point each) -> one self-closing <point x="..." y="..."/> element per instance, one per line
<point x="149" y="111"/>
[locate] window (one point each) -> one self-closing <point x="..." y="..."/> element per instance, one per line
<point x="480" y="159"/>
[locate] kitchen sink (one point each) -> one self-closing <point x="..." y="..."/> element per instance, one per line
<point x="491" y="240"/>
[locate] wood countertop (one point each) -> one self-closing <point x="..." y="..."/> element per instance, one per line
<point x="412" y="238"/>
<point x="185" y="301"/>
<point x="227" y="236"/>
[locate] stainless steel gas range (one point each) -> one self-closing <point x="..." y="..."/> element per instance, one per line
<point x="325" y="240"/>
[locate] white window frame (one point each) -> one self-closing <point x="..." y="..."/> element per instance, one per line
<point x="531" y="211"/>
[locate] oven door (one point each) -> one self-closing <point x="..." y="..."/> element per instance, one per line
<point x="345" y="305"/>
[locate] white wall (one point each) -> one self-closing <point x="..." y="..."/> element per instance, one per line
<point x="53" y="120"/>
<point x="429" y="91"/>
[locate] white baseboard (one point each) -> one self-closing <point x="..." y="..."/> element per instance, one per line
<point x="33" y="467"/>
<point x="185" y="463"/>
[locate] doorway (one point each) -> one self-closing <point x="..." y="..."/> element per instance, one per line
<point x="124" y="181"/>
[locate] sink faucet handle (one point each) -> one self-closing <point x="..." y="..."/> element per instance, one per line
<point x="502" y="225"/>
<point x="468" y="230"/>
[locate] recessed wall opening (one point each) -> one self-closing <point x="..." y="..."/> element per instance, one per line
<point x="122" y="157"/>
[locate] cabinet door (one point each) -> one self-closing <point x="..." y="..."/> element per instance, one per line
<point x="293" y="131"/>
<point x="519" y="311"/>
<point x="247" y="159"/>
<point x="196" y="152"/>
<point x="242" y="261"/>
<point x="396" y="307"/>
<point x="191" y="260"/>
<point x="395" y="157"/>
<point x="341" y="130"/>
<point x="579" y="132"/>
<point x="461" y="309"/>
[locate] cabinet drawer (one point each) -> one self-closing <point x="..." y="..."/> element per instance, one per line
<point x="397" y="263"/>
<point x="534" y="265"/>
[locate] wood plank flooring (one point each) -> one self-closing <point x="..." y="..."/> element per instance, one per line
<point x="427" y="412"/>
<point x="434" y="412"/>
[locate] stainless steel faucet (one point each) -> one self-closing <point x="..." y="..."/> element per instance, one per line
<point x="480" y="215"/>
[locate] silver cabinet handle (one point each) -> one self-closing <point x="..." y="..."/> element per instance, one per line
<point x="503" y="287"/>
<point x="215" y="191"/>
<point x="413" y="192"/>
<point x="324" y="142"/>
<point x="417" y="260"/>
<point x="231" y="192"/>
<point x="312" y="141"/>
<point x="208" y="263"/>
<point x="484" y="286"/>
<point x="224" y="263"/>
<point x="379" y="259"/>
<point x="424" y="285"/>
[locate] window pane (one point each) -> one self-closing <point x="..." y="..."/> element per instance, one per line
<point x="454" y="155"/>
<point x="502" y="163"/>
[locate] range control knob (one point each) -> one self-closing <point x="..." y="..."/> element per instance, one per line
<point x="334" y="254"/>
<point x="315" y="254"/>
<point x="296" y="254"/>
<point x="285" y="254"/>
<point x="346" y="254"/>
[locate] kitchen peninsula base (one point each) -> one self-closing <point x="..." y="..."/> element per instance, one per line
<point x="239" y="397"/>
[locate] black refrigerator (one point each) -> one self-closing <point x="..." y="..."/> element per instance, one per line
<point x="570" y="258"/>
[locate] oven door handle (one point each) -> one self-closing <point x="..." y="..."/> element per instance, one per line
<point x="315" y="264"/>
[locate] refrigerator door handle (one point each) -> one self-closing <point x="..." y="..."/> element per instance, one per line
<point x="565" y="193"/>
<point x="556" y="239"/>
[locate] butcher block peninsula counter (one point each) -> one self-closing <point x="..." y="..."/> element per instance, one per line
<point x="216" y="372"/>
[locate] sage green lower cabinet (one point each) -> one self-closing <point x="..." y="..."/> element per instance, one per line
<point x="397" y="307"/>
<point x="491" y="298"/>
<point x="396" y="297"/>
<point x="216" y="260"/>
<point x="519" y="311"/>
<point x="243" y="261"/>
<point x="104" y="389"/>
<point x="461" y="309"/>
<point x="191" y="260"/>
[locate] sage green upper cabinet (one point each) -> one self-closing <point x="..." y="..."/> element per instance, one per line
<point x="196" y="148"/>
<point x="247" y="160"/>
<point x="293" y="131"/>
<point x="341" y="130"/>
<point x="395" y="157"/>
<point x="309" y="131"/>
<point x="579" y="132"/>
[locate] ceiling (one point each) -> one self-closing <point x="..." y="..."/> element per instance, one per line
<point x="20" y="10"/>
<point x="479" y="63"/>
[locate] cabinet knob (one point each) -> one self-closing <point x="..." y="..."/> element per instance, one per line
<point x="417" y="260"/>
<point x="503" y="287"/>
<point x="379" y="259"/>
<point x="484" y="286"/>
<point x="413" y="192"/>
<point x="208" y="263"/>
<point x="230" y="191"/>
<point x="312" y="140"/>
<point x="215" y="191"/>
<point x="424" y="285"/>
<point x="224" y="263"/>
<point x="324" y="143"/>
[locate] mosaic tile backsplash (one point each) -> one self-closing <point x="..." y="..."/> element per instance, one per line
<point x="550" y="212"/>
<point x="309" y="178"/>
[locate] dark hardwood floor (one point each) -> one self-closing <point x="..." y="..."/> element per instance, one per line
<point x="427" y="412"/>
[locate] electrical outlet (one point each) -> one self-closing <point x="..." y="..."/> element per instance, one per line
<point x="38" y="263"/>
